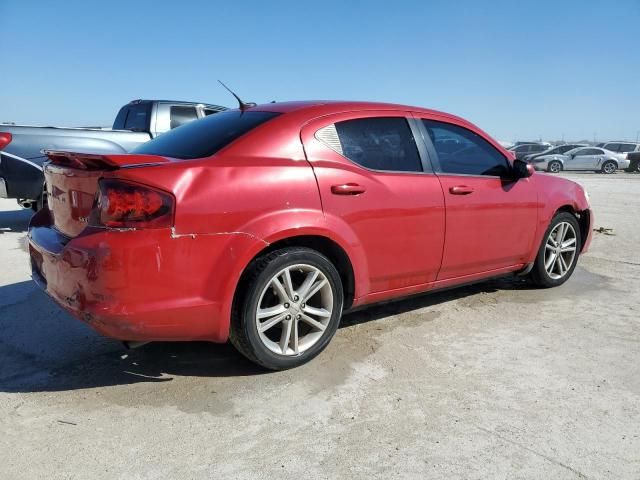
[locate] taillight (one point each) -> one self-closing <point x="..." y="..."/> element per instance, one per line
<point x="123" y="204"/>
<point x="5" y="139"/>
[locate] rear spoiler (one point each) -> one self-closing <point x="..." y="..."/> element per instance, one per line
<point x="92" y="161"/>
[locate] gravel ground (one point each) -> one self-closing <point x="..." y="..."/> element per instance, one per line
<point x="495" y="380"/>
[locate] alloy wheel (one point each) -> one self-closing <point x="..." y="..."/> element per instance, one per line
<point x="609" y="167"/>
<point x="560" y="250"/>
<point x="294" y="309"/>
<point x="554" y="167"/>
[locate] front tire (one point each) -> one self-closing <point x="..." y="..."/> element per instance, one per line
<point x="287" y="308"/>
<point x="554" y="166"/>
<point x="558" y="254"/>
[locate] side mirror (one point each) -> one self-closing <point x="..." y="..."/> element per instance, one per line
<point x="522" y="169"/>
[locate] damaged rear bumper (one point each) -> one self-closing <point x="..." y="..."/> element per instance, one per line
<point x="136" y="285"/>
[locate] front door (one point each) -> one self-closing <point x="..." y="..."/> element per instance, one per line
<point x="490" y="220"/>
<point x="585" y="159"/>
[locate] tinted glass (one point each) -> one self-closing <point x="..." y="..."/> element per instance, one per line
<point x="462" y="151"/>
<point x="138" y="117"/>
<point x="208" y="111"/>
<point x="565" y="148"/>
<point x="118" y="123"/>
<point x="181" y="115"/>
<point x="206" y="136"/>
<point x="379" y="144"/>
<point x="588" y="151"/>
<point x="538" y="148"/>
<point x="614" y="147"/>
<point x="626" y="147"/>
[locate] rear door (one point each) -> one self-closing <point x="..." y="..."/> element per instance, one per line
<point x="490" y="220"/>
<point x="373" y="178"/>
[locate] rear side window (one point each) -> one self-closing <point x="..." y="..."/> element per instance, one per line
<point x="461" y="151"/>
<point x="377" y="143"/>
<point x="205" y="137"/>
<point x="180" y="115"/>
<point x="626" y="147"/>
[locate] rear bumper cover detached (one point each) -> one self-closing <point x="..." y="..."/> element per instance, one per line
<point x="136" y="285"/>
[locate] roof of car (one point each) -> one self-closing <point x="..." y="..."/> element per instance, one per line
<point x="324" y="107"/>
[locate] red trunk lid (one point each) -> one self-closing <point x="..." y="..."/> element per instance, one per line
<point x="72" y="183"/>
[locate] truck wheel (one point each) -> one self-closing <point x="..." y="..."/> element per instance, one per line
<point x="609" y="167"/>
<point x="287" y="308"/>
<point x="558" y="254"/>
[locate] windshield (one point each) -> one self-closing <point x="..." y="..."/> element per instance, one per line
<point x="204" y="137"/>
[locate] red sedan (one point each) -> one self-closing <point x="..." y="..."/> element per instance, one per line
<point x="262" y="225"/>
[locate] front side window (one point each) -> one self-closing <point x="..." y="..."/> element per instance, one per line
<point x="461" y="151"/>
<point x="181" y="114"/>
<point x="614" y="147"/>
<point x="588" y="151"/>
<point x="377" y="143"/>
<point x="205" y="137"/>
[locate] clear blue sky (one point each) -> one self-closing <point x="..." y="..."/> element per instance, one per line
<point x="517" y="69"/>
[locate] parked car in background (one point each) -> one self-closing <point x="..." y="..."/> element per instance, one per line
<point x="524" y="142"/>
<point x="527" y="149"/>
<point x="262" y="224"/>
<point x="582" y="158"/>
<point x="634" y="162"/>
<point x="137" y="122"/>
<point x="559" y="149"/>
<point x="621" y="147"/>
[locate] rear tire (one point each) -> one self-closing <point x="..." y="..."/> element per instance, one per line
<point x="609" y="167"/>
<point x="287" y="308"/>
<point x="558" y="255"/>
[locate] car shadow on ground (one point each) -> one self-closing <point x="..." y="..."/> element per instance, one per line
<point x="43" y="349"/>
<point x="15" y="220"/>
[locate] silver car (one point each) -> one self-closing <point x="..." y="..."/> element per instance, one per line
<point x="582" y="158"/>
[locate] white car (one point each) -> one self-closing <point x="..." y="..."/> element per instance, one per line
<point x="582" y="158"/>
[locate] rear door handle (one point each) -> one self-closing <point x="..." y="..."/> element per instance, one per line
<point x="460" y="190"/>
<point x="347" y="189"/>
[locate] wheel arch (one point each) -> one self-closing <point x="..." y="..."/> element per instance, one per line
<point x="583" y="218"/>
<point x="320" y="243"/>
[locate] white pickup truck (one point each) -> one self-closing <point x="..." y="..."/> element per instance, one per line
<point x="138" y="121"/>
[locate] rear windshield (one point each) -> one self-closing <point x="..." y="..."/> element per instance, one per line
<point x="134" y="117"/>
<point x="204" y="137"/>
